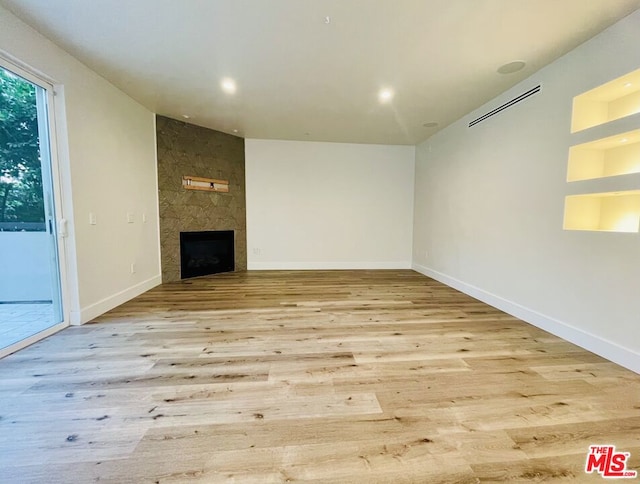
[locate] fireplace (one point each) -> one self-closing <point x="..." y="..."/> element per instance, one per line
<point x="203" y="253"/>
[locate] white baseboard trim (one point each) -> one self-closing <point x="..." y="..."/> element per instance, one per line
<point x="596" y="344"/>
<point x="94" y="310"/>
<point x="301" y="266"/>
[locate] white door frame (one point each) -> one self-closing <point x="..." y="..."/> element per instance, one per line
<point x="61" y="220"/>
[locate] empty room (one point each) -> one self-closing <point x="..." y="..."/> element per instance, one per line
<point x="338" y="241"/>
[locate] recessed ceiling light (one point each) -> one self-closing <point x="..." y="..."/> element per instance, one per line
<point x="624" y="140"/>
<point x="235" y="130"/>
<point x="228" y="86"/>
<point x="628" y="84"/>
<point x="385" y="95"/>
<point x="186" y="116"/>
<point x="511" y="67"/>
<point x="430" y="125"/>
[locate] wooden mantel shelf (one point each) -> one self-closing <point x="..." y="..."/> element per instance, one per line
<point x="205" y="184"/>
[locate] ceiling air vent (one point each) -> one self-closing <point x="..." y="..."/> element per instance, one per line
<point x="506" y="105"/>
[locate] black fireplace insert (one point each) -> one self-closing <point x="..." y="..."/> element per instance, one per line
<point x="209" y="252"/>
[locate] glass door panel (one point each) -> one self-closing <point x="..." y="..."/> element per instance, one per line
<point x="30" y="284"/>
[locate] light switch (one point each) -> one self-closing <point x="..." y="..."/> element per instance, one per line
<point x="129" y="217"/>
<point x="92" y="218"/>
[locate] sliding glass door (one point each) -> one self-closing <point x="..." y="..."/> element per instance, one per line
<point x="30" y="276"/>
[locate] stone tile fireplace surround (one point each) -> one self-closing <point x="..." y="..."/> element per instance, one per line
<point x="186" y="149"/>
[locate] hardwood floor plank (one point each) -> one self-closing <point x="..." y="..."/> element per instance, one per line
<point x="314" y="376"/>
<point x="561" y="468"/>
<point x="555" y="440"/>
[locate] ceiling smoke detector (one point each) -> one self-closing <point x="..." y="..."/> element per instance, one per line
<point x="511" y="67"/>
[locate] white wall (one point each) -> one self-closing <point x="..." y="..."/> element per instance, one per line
<point x="489" y="208"/>
<point x="328" y="205"/>
<point x="108" y="164"/>
<point x="26" y="267"/>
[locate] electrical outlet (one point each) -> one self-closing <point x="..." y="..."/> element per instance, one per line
<point x="256" y="251"/>
<point x="130" y="218"/>
<point x="92" y="218"/>
<point x="426" y="254"/>
<point x="133" y="268"/>
<point x="144" y="218"/>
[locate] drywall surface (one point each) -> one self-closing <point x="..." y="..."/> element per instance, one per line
<point x="313" y="205"/>
<point x="106" y="153"/>
<point x="489" y="207"/>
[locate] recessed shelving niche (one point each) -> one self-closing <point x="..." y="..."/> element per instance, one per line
<point x="615" y="155"/>
<point x="613" y="100"/>
<point x="603" y="212"/>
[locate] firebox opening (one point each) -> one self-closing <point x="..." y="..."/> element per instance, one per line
<point x="209" y="252"/>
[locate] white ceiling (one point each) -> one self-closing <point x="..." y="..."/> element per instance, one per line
<point x="299" y="78"/>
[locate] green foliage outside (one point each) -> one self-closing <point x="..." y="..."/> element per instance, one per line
<point x="21" y="197"/>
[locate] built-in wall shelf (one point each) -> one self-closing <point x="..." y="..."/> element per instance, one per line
<point x="613" y="100"/>
<point x="621" y="183"/>
<point x="604" y="165"/>
<point x="603" y="212"/>
<point x="611" y="156"/>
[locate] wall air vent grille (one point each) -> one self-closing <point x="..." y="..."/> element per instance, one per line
<point x="506" y="105"/>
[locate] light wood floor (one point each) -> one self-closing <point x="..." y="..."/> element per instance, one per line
<point x="326" y="376"/>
